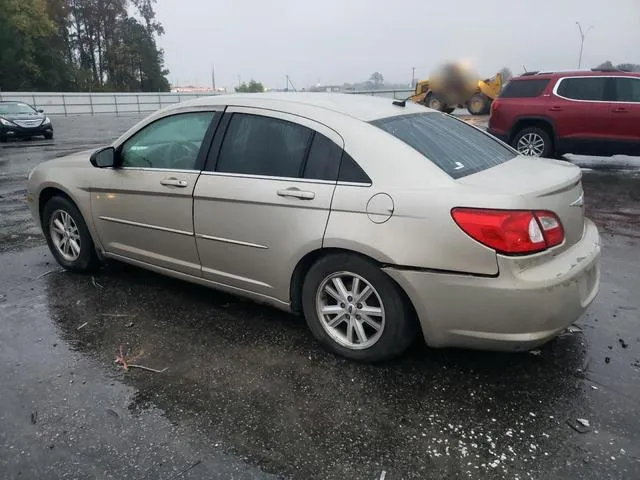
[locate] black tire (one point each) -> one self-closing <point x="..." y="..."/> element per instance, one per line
<point x="547" y="146"/>
<point x="479" y="104"/>
<point x="48" y="136"/>
<point x="435" y="102"/>
<point x="87" y="260"/>
<point x="400" y="326"/>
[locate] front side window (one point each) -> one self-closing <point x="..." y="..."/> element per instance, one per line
<point x="257" y="145"/>
<point x="585" y="88"/>
<point x="171" y="142"/>
<point x="451" y="144"/>
<point x="627" y="89"/>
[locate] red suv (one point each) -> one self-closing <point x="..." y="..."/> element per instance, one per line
<point x="547" y="114"/>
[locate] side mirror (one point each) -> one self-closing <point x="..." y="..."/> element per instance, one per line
<point x="104" y="158"/>
<point x="40" y="110"/>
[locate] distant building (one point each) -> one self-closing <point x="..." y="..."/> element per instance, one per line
<point x="326" y="88"/>
<point x="196" y="89"/>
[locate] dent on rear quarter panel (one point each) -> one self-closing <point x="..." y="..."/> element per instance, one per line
<point x="420" y="233"/>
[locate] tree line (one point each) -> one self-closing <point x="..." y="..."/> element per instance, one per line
<point x="81" y="45"/>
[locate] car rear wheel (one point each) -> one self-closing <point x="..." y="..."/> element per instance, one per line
<point x="355" y="310"/>
<point x="67" y="236"/>
<point x="534" y="142"/>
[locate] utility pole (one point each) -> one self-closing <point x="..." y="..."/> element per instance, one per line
<point x="582" y="35"/>
<point x="213" y="78"/>
<point x="413" y="77"/>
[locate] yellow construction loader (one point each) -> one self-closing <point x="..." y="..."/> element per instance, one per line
<point x="455" y="86"/>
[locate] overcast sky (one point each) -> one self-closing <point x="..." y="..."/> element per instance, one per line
<point x="337" y="41"/>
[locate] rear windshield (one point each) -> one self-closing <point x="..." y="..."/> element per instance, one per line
<point x="525" y="88"/>
<point x="451" y="144"/>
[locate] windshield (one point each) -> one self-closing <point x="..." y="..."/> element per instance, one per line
<point x="15" y="109"/>
<point x="451" y="144"/>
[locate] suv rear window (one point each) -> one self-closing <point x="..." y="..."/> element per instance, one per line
<point x="524" y="88"/>
<point x="451" y="144"/>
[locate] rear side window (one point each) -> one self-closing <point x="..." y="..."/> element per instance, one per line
<point x="324" y="159"/>
<point x="258" y="145"/>
<point x="451" y="144"/>
<point x="627" y="89"/>
<point x="585" y="88"/>
<point x="525" y="88"/>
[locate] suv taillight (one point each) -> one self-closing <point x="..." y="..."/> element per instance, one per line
<point x="513" y="232"/>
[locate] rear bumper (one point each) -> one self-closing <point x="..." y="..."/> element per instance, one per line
<point x="524" y="306"/>
<point x="16" y="131"/>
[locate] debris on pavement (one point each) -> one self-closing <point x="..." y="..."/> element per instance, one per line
<point x="82" y="326"/>
<point x="580" y="425"/>
<point x="95" y="284"/>
<point x="129" y="325"/>
<point x="57" y="270"/>
<point x="535" y="353"/>
<point x="623" y="344"/>
<point x="126" y="365"/>
<point x="34" y="417"/>
<point x="607" y="360"/>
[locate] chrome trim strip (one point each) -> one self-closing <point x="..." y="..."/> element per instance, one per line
<point x="354" y="184"/>
<point x="145" y="225"/>
<point x="267" y="177"/>
<point x="555" y="88"/>
<point x="150" y="169"/>
<point x="286" y="179"/>
<point x="228" y="240"/>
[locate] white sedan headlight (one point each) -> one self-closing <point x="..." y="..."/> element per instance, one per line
<point x="5" y="122"/>
<point x="47" y="121"/>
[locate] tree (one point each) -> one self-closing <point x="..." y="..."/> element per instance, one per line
<point x="606" y="65"/>
<point x="80" y="45"/>
<point x="252" y="87"/>
<point x="376" y="79"/>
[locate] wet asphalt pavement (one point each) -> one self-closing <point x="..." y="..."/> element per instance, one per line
<point x="249" y="394"/>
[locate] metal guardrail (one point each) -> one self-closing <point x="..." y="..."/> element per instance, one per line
<point x="82" y="103"/>
<point x="395" y="94"/>
<point x="59" y="103"/>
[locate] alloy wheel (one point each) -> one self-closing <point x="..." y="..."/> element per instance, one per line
<point x="65" y="235"/>
<point x="350" y="310"/>
<point x="531" y="144"/>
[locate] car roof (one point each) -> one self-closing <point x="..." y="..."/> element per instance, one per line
<point x="361" y="107"/>
<point x="576" y="73"/>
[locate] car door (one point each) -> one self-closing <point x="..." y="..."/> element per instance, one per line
<point x="625" y="115"/>
<point x="264" y="199"/>
<point x="581" y="110"/>
<point x="142" y="210"/>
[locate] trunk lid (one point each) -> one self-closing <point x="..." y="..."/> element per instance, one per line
<point x="539" y="184"/>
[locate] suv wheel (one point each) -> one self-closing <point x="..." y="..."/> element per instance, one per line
<point x="534" y="142"/>
<point x="355" y="310"/>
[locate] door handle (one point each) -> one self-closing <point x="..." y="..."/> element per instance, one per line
<point x="173" y="182"/>
<point x="296" y="193"/>
<point x="555" y="109"/>
<point x="620" y="110"/>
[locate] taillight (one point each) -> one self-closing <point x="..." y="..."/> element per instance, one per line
<point x="511" y="231"/>
<point x="494" y="106"/>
